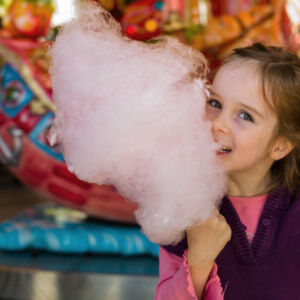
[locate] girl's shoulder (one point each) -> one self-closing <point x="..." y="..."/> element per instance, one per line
<point x="284" y="197"/>
<point x="295" y="195"/>
<point x="293" y="204"/>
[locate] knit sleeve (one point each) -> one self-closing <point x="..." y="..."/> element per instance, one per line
<point x="175" y="280"/>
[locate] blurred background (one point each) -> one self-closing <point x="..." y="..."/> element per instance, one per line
<point x="61" y="238"/>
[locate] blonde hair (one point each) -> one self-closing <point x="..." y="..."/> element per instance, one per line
<point x="279" y="71"/>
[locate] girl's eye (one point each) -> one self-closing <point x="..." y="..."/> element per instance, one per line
<point x="246" y="116"/>
<point x="214" y="103"/>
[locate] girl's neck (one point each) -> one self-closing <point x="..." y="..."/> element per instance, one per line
<point x="247" y="187"/>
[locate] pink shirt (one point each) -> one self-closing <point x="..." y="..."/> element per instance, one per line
<point x="249" y="210"/>
<point x="174" y="276"/>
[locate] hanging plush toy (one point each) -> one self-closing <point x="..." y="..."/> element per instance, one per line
<point x="131" y="114"/>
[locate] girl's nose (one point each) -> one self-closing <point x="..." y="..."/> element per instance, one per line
<point x="220" y="124"/>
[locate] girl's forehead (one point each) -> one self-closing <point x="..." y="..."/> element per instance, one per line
<point x="238" y="67"/>
<point x="238" y="76"/>
<point x="240" y="82"/>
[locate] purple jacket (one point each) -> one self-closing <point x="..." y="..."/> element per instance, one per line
<point x="269" y="269"/>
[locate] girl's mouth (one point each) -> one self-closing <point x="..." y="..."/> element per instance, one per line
<point x="224" y="150"/>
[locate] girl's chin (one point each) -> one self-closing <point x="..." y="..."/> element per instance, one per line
<point x="223" y="161"/>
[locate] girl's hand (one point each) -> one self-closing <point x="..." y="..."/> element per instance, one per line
<point x="205" y="242"/>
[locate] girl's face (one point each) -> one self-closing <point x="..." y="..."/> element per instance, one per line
<point x="242" y="123"/>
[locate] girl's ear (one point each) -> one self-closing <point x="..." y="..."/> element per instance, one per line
<point x="281" y="148"/>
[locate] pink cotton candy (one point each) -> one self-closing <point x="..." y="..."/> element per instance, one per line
<point x="131" y="114"/>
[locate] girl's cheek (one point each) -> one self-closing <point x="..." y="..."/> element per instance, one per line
<point x="210" y="113"/>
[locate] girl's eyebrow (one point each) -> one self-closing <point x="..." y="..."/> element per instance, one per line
<point x="213" y="93"/>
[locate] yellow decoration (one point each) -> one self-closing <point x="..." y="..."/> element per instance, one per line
<point x="121" y="5"/>
<point x="107" y="4"/>
<point x="4" y="4"/>
<point x="151" y="25"/>
<point x="37" y="107"/>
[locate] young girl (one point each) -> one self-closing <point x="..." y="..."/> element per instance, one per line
<point x="251" y="249"/>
